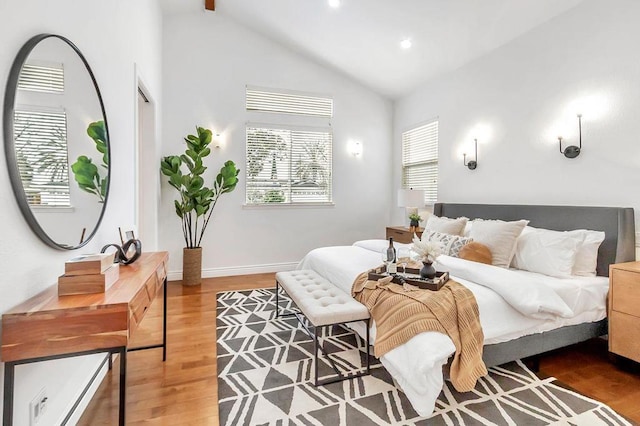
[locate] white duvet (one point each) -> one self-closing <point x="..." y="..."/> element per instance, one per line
<point x="512" y="304"/>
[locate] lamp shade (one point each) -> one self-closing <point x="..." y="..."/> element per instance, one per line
<point x="410" y="198"/>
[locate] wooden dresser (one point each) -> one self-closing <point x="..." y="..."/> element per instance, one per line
<point x="49" y="326"/>
<point x="624" y="310"/>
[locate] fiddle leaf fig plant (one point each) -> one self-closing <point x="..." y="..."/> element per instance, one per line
<point x="196" y="201"/>
<point x="85" y="172"/>
<point x="98" y="133"/>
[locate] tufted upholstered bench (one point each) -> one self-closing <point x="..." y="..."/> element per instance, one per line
<point x="323" y="305"/>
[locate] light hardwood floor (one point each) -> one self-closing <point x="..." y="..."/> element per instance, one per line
<point x="183" y="390"/>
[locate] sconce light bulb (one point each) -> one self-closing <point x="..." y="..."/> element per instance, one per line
<point x="356" y="148"/>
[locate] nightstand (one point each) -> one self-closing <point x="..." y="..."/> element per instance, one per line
<point x="401" y="234"/>
<point x="624" y="310"/>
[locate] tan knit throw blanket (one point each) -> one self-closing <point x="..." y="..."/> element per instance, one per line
<point x="401" y="312"/>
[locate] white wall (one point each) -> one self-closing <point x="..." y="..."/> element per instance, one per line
<point x="112" y="35"/>
<point x="208" y="60"/>
<point x="524" y="92"/>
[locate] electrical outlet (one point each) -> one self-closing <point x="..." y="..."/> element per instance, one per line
<point x="37" y="407"/>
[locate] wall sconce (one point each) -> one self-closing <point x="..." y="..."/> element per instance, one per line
<point x="473" y="163"/>
<point x="573" y="151"/>
<point x="356" y="149"/>
<point x="217" y="143"/>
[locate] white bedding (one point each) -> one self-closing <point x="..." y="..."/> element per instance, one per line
<point x="512" y="304"/>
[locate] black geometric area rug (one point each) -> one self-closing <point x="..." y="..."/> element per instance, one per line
<point x="265" y="377"/>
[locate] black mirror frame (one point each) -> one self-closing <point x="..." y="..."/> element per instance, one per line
<point x="9" y="143"/>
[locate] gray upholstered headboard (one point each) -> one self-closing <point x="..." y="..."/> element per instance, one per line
<point x="617" y="223"/>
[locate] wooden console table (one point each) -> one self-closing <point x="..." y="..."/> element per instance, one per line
<point x="49" y="326"/>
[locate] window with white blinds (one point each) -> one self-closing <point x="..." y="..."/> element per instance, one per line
<point x="41" y="151"/>
<point x="42" y="78"/>
<point x="420" y="160"/>
<point x="288" y="165"/>
<point x="288" y="102"/>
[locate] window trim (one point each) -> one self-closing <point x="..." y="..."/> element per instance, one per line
<point x="301" y="128"/>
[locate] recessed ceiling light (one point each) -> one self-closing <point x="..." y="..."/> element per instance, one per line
<point x="334" y="3"/>
<point x="406" y="43"/>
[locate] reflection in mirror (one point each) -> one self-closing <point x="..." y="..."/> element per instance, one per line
<point x="56" y="141"/>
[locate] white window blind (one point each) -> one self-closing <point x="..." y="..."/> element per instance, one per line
<point x="42" y="78"/>
<point x="287" y="102"/>
<point x="420" y="160"/>
<point x="288" y="165"/>
<point x="41" y="151"/>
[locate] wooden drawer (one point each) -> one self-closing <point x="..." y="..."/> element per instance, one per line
<point x="624" y="335"/>
<point x="40" y="334"/>
<point x="399" y="235"/>
<point x="625" y="292"/>
<point x="152" y="287"/>
<point x="139" y="304"/>
<point x="161" y="274"/>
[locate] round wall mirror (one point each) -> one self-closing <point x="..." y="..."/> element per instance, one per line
<point x="56" y="141"/>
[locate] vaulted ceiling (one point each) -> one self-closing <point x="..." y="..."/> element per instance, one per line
<point x="361" y="38"/>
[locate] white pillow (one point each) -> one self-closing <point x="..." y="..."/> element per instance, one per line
<point x="446" y="225"/>
<point x="547" y="252"/>
<point x="467" y="229"/>
<point x="450" y="244"/>
<point x="587" y="256"/>
<point x="499" y="236"/>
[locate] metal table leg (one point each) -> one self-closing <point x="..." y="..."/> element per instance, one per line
<point x="123" y="384"/>
<point x="164" y="323"/>
<point x="9" y="376"/>
<point x="9" y="379"/>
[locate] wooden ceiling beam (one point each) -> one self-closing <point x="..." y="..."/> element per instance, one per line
<point x="210" y="4"/>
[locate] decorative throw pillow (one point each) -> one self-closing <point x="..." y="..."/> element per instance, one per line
<point x="450" y="244"/>
<point x="547" y="252"/>
<point x="499" y="236"/>
<point x="467" y="229"/>
<point x="476" y="252"/>
<point x="446" y="225"/>
<point x="587" y="256"/>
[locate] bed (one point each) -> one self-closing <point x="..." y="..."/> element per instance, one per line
<point x="510" y="334"/>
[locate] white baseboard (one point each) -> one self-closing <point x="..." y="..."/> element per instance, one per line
<point x="228" y="271"/>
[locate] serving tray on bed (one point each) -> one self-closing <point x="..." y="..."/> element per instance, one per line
<point x="411" y="276"/>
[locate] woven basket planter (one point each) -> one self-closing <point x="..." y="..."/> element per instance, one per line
<point x="192" y="266"/>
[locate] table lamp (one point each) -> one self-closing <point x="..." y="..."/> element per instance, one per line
<point x="410" y="199"/>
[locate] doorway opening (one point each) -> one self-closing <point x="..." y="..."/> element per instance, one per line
<point x="147" y="178"/>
